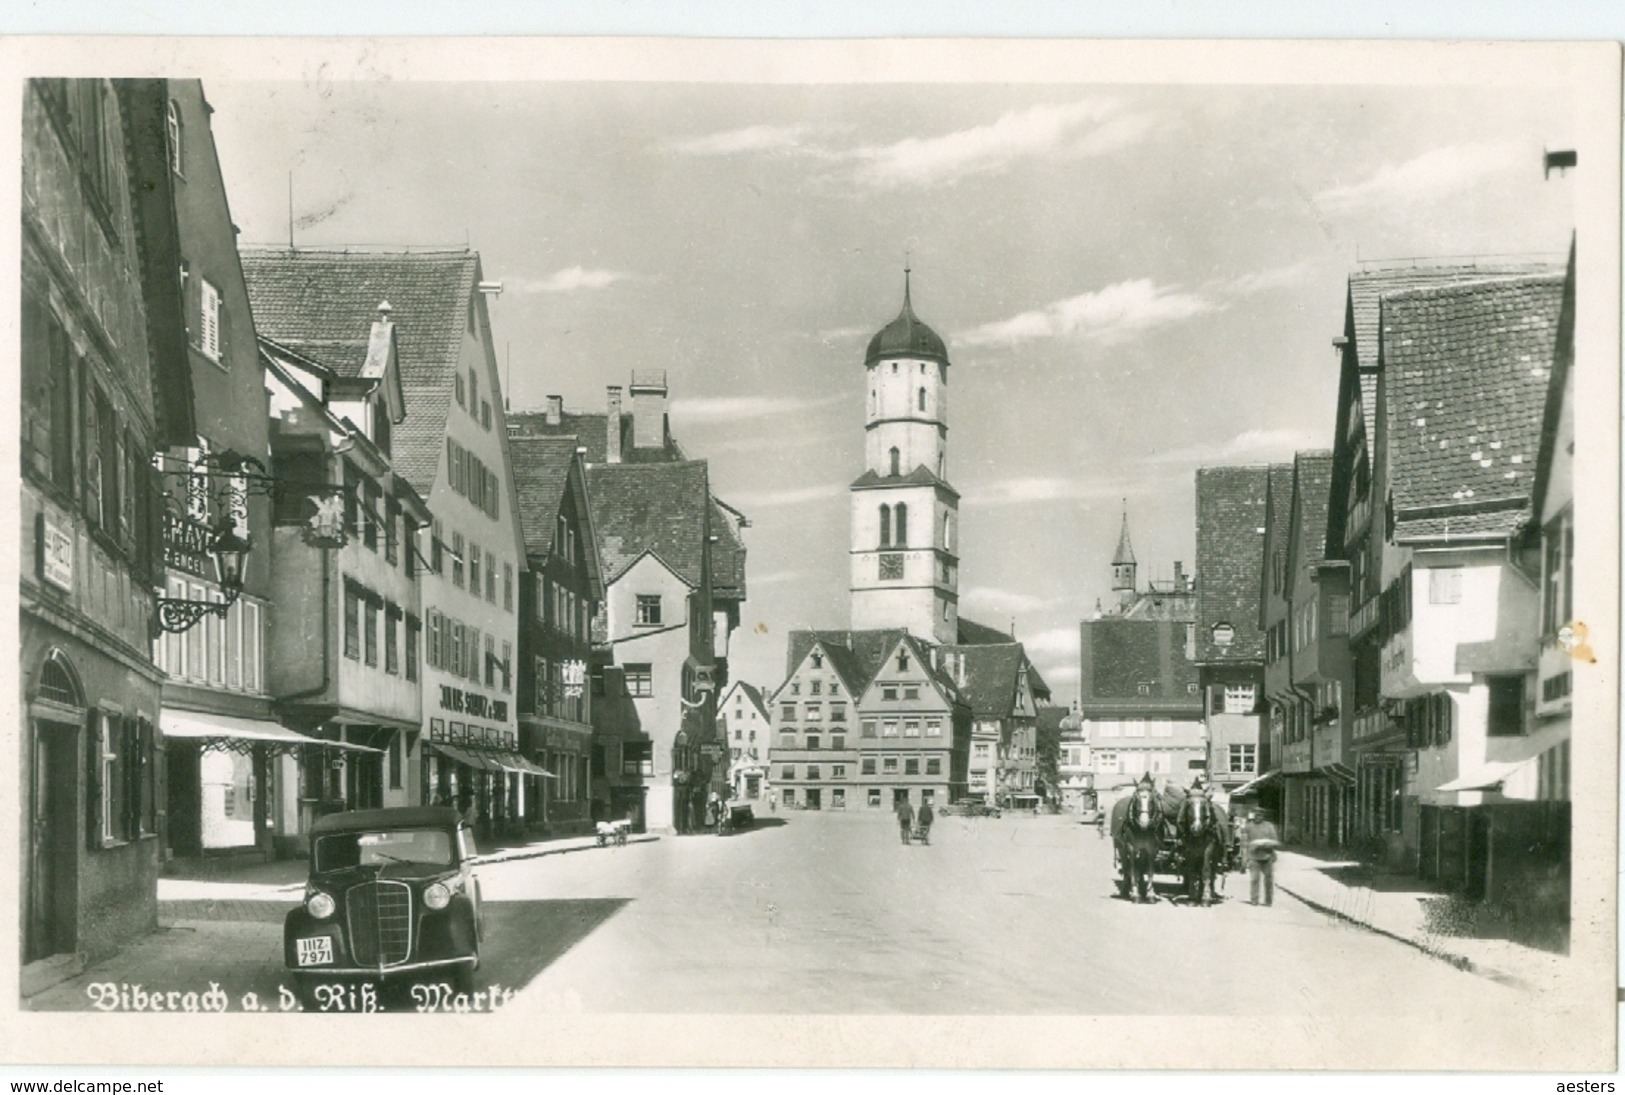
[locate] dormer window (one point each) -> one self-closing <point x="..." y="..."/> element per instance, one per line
<point x="902" y="661"/>
<point x="817" y="660"/>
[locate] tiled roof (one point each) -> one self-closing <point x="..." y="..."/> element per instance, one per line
<point x="1466" y="369"/>
<point x="727" y="555"/>
<point x="921" y="476"/>
<point x="541" y="471"/>
<point x="989" y="680"/>
<point x="322" y="303"/>
<point x="650" y="507"/>
<point x="591" y="431"/>
<point x="1119" y="656"/>
<point x="857" y="655"/>
<point x="1036" y="684"/>
<point x="972" y="633"/>
<point x="1124" y="556"/>
<point x="1313" y="474"/>
<point x="1367" y="288"/>
<point x="1230" y="560"/>
<point x="1050" y="719"/>
<point x="754" y="695"/>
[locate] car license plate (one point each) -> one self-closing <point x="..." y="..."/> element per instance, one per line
<point x="316" y="952"/>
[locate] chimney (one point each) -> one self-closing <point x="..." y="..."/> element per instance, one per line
<point x="1179" y="576"/>
<point x="612" y="427"/>
<point x="648" y="409"/>
<point x="555" y="409"/>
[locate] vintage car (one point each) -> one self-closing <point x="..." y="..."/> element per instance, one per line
<point x="391" y="894"/>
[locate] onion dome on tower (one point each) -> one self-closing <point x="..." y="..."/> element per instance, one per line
<point x="906" y="336"/>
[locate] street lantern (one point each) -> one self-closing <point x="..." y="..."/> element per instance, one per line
<point x="230" y="552"/>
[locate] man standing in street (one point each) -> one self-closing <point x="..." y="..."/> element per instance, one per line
<point x="905" y="818"/>
<point x="926" y="818"/>
<point x="1262" y="841"/>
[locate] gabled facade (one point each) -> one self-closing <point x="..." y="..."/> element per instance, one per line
<point x="1228" y="641"/>
<point x="1466" y="370"/>
<point x="104" y="385"/>
<point x="222" y="790"/>
<point x="1139" y="707"/>
<point x="1306" y="654"/>
<point x="904" y="736"/>
<point x="654" y="673"/>
<point x="1004" y="692"/>
<point x="560" y="590"/>
<point x="1356" y="534"/>
<point x="745" y="726"/>
<point x="343" y="657"/>
<point x="451" y="449"/>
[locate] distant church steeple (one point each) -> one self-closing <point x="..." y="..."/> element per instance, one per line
<point x="1123" y="564"/>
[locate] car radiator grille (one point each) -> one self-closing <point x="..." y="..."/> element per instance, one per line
<point x="380" y="923"/>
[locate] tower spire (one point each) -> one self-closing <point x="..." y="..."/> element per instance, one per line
<point x="1124" y="582"/>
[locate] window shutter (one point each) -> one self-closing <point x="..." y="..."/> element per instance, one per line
<point x="93" y="779"/>
<point x="496" y="498"/>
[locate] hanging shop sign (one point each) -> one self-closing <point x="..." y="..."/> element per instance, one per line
<point x="472" y="703"/>
<point x="186" y="546"/>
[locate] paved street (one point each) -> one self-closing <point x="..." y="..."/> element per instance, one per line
<point x="829" y="913"/>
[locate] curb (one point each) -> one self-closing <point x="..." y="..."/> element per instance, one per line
<point x="499" y="857"/>
<point x="1459" y="961"/>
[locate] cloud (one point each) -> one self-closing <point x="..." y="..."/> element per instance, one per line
<point x="1061" y="673"/>
<point x="1003" y="600"/>
<point x="1021" y="490"/>
<point x="1260" y="281"/>
<point x="776" y="578"/>
<point x="1248" y="445"/>
<point x="734" y="408"/>
<point x="1091" y="127"/>
<point x="751" y="138"/>
<point x="567" y="280"/>
<point x="771" y="499"/>
<point x="778" y="442"/>
<point x="1432" y="175"/>
<point x="1055" y="642"/>
<point x="1112" y="314"/>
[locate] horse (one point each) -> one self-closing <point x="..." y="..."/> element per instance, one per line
<point x="1201" y="847"/>
<point x="1137" y="831"/>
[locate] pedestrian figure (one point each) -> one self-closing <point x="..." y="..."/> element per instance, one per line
<point x="1262" y="841"/>
<point x="926" y="817"/>
<point x="773" y="801"/>
<point x="905" y="818"/>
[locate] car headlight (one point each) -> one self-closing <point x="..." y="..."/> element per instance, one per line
<point x="320" y="905"/>
<point x="437" y="896"/>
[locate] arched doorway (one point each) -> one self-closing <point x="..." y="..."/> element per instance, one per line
<point x="56" y="713"/>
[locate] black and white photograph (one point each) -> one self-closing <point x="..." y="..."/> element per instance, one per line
<point x="1000" y="554"/>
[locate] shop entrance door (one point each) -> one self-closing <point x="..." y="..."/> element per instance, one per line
<point x="815" y="798"/>
<point x="52" y="848"/>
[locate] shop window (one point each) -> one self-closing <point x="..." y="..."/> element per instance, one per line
<point x="874" y="798"/>
<point x="789" y="796"/>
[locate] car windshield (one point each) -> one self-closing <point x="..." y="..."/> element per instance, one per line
<point x="432" y="847"/>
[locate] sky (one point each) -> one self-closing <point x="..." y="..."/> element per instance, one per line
<point x="1133" y="281"/>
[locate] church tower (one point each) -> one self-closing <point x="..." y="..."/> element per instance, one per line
<point x="905" y="516"/>
<point x="1123" y="567"/>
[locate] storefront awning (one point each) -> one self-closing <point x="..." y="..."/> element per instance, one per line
<point x="1256" y="783"/>
<point x="484" y="761"/>
<point x="240" y="735"/>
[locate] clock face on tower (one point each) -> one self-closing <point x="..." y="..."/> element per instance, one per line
<point x="891" y="568"/>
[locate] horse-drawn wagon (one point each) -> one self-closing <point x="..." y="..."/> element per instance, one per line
<point x="1172" y="834"/>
